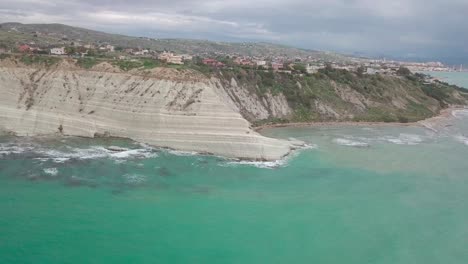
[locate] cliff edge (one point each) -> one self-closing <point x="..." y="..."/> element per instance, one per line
<point x="177" y="109"/>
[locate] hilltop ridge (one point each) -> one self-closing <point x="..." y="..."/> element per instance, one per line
<point x="13" y="33"/>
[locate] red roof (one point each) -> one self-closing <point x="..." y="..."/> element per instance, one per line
<point x="24" y="48"/>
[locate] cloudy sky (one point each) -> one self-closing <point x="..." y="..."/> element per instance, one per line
<point x="432" y="29"/>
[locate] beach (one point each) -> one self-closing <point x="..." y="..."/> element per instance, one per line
<point x="443" y="115"/>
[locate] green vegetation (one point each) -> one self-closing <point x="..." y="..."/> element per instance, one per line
<point x="146" y="64"/>
<point x="127" y="65"/>
<point x="4" y="56"/>
<point x="150" y="63"/>
<point x="332" y="94"/>
<point x="86" y="63"/>
<point x="36" y="59"/>
<point x="403" y="71"/>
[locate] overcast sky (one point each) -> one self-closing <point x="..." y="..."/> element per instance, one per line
<point x="410" y="28"/>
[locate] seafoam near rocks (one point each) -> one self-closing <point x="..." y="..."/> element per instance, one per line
<point x="190" y="113"/>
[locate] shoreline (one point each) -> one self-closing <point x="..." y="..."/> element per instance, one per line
<point x="443" y="115"/>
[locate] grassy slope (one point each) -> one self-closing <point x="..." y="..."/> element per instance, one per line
<point x="384" y="98"/>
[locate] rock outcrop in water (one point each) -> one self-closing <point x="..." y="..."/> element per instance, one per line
<point x="182" y="110"/>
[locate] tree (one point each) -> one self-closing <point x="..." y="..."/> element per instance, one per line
<point x="91" y="53"/>
<point x="360" y="71"/>
<point x="403" y="71"/>
<point x="300" y="68"/>
<point x="70" y="50"/>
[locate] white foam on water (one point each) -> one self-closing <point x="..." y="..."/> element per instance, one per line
<point x="10" y="148"/>
<point x="310" y="146"/>
<point x="134" y="178"/>
<point x="268" y="164"/>
<point x="350" y="143"/>
<point x="258" y="164"/>
<point x="51" y="171"/>
<point x="141" y="153"/>
<point x="182" y="153"/>
<point x="60" y="160"/>
<point x="404" y="139"/>
<point x="95" y="152"/>
<point x="460" y="113"/>
<point x="462" y="139"/>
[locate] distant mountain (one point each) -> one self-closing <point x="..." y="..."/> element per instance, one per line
<point x="12" y="34"/>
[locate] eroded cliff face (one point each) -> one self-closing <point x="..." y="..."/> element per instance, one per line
<point x="255" y="107"/>
<point x="336" y="95"/>
<point x="157" y="107"/>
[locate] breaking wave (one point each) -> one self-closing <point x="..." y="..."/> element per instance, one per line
<point x="51" y="171"/>
<point x="68" y="153"/>
<point x="404" y="139"/>
<point x="13" y="148"/>
<point x="460" y="113"/>
<point x="134" y="178"/>
<point x="462" y="139"/>
<point x="182" y="153"/>
<point x="96" y="152"/>
<point x="258" y="164"/>
<point x="268" y="164"/>
<point x="350" y="143"/>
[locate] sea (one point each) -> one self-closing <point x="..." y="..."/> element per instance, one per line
<point x="456" y="78"/>
<point x="356" y="194"/>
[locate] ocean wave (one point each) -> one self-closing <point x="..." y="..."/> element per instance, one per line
<point x="350" y="143"/>
<point x="134" y="178"/>
<point x="182" y="153"/>
<point x="51" y="171"/>
<point x="258" y="164"/>
<point x="404" y="139"/>
<point x="460" y="113"/>
<point x="268" y="164"/>
<point x="462" y="139"/>
<point x="309" y="146"/>
<point x="63" y="155"/>
<point x="11" y="148"/>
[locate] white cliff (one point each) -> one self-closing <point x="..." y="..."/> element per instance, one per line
<point x="181" y="110"/>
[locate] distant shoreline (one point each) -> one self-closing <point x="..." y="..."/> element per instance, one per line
<point x="443" y="115"/>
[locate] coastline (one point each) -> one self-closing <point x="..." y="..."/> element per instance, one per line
<point x="444" y="114"/>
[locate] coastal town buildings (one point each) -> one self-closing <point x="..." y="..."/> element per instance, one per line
<point x="310" y="68"/>
<point x="277" y="66"/>
<point x="213" y="62"/>
<point x="171" y="58"/>
<point x="24" y="48"/>
<point x="259" y="63"/>
<point x="58" y="51"/>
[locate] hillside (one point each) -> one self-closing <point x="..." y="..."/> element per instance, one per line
<point x="340" y="95"/>
<point x="12" y="34"/>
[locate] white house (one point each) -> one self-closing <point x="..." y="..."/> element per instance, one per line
<point x="260" y="62"/>
<point x="169" y="57"/>
<point x="58" y="51"/>
<point x="313" y="68"/>
<point x="110" y="48"/>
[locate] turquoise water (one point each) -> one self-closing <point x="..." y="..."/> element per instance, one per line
<point x="357" y="195"/>
<point x="457" y="78"/>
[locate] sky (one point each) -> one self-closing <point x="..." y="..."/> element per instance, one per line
<point x="419" y="29"/>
